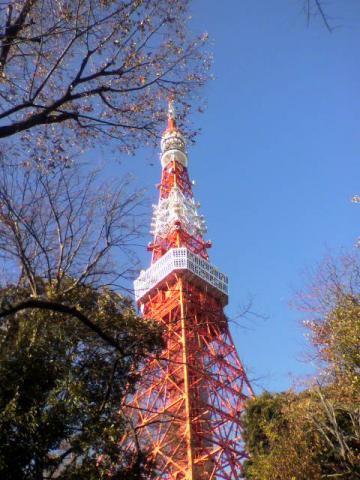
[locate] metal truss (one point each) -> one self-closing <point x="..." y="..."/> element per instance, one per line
<point x="188" y="409"/>
<point x="190" y="400"/>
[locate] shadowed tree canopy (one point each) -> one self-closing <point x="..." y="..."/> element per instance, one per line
<point x="62" y="386"/>
<point x="71" y="71"/>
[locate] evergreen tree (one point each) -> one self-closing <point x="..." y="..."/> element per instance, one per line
<point x="62" y="386"/>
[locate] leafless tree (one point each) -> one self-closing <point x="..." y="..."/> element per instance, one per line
<point x="328" y="283"/>
<point x="71" y="71"/>
<point x="59" y="227"/>
<point x="339" y="426"/>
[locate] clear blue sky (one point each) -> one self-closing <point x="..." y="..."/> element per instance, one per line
<point x="276" y="164"/>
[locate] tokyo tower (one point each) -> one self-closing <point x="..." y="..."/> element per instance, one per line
<point x="187" y="409"/>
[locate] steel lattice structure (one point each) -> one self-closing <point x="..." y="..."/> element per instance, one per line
<point x="187" y="410"/>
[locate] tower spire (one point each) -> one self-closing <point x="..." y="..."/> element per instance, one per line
<point x="171" y="126"/>
<point x="171" y="115"/>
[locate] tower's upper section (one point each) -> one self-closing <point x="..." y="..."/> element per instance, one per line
<point x="176" y="221"/>
<point x="173" y="145"/>
<point x="177" y="227"/>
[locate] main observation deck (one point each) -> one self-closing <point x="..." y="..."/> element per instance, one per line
<point x="182" y="260"/>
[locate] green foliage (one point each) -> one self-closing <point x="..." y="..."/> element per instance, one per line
<point x="337" y="338"/>
<point x="260" y="412"/>
<point x="62" y="387"/>
<point x="310" y="435"/>
<point x="279" y="440"/>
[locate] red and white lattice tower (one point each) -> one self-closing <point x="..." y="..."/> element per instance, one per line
<point x="187" y="410"/>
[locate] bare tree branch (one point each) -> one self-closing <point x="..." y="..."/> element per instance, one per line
<point x="57" y="225"/>
<point x="61" y="308"/>
<point x="93" y="68"/>
<point x="315" y="7"/>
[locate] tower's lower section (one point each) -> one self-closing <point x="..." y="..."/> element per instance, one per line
<point x="187" y="410"/>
